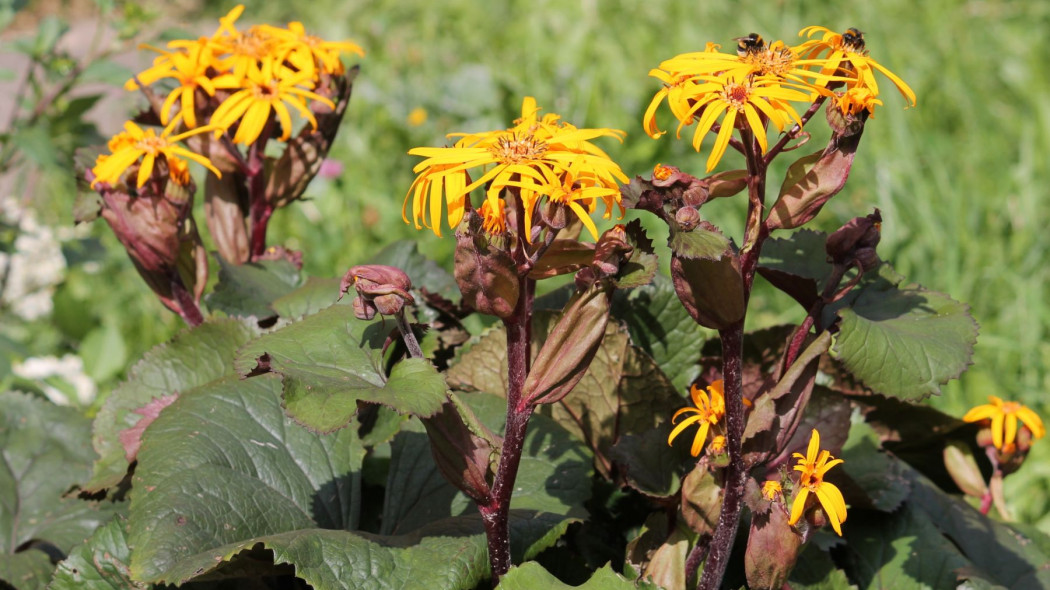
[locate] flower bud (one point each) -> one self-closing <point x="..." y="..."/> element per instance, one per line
<point x="855" y="242"/>
<point x="688" y="218"/>
<point x="463" y="448"/>
<point x="380" y="288"/>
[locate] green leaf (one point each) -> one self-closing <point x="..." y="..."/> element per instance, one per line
<point x="87" y="206"/>
<point x="554" y="474"/>
<point x="104" y="352"/>
<point x="529" y="576"/>
<point x="331" y="360"/>
<point x="660" y="326"/>
<point x="249" y="289"/>
<point x="904" y="341"/>
<point x="423" y="272"/>
<point x="254" y="473"/>
<point x="797" y="265"/>
<point x="701" y="242"/>
<point x="814" y="570"/>
<point x="107" y="72"/>
<point x="100" y="563"/>
<point x="316" y="294"/>
<point x="45" y="453"/>
<point x="449" y="554"/>
<point x="192" y="358"/>
<point x="903" y="550"/>
<point x="998" y="552"/>
<point x="881" y="476"/>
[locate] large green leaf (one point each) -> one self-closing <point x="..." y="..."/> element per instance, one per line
<point x="100" y="563"/>
<point x="797" y="265"/>
<point x="449" y="554"/>
<point x="879" y="475"/>
<point x="529" y="576"/>
<point x="903" y="550"/>
<point x="814" y="570"/>
<point x="903" y="340"/>
<point x="331" y="360"/>
<point x="315" y="295"/>
<point x="249" y="289"/>
<point x="224" y="465"/>
<point x="193" y="358"/>
<point x="660" y="326"/>
<point x="45" y="453"/>
<point x="999" y="553"/>
<point x="554" y="474"/>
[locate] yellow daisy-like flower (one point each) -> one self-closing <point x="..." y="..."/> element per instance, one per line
<point x="709" y="410"/>
<point x="856" y="100"/>
<point x="771" y="490"/>
<point x="718" y="444"/>
<point x="189" y="67"/>
<point x="535" y="156"/>
<point x="134" y="143"/>
<point x="1004" y="417"/>
<point x="754" y="100"/>
<point x="812" y="468"/>
<point x="846" y="54"/>
<point x="309" y="51"/>
<point x="266" y="88"/>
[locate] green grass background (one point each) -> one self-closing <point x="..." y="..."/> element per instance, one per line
<point x="961" y="179"/>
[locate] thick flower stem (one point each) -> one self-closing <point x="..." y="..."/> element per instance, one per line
<point x="496" y="513"/>
<point x="722" y="544"/>
<point x="259" y="209"/>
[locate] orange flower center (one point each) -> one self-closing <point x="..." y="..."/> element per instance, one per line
<point x="266" y="91"/>
<point x="736" y="94"/>
<point x="661" y="172"/>
<point x="151" y="144"/>
<point x="251" y="44"/>
<point x="511" y="149"/>
<point x="773" y="61"/>
<point x="1011" y="407"/>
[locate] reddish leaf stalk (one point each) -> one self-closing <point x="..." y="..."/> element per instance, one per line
<point x="188" y="308"/>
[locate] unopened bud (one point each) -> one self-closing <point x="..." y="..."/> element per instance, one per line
<point x="380" y="288"/>
<point x="855" y="242"/>
<point x="688" y="218"/>
<point x="486" y="274"/>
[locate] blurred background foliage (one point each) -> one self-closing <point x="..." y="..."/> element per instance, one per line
<point x="961" y="179"/>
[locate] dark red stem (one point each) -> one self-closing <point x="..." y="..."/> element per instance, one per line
<point x="259" y="209"/>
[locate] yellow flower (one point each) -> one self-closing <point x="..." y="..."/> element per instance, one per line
<point x="579" y="190"/>
<point x="771" y="490"/>
<point x="855" y="100"/>
<point x="813" y="467"/>
<point x="134" y="143"/>
<point x="417" y="117"/>
<point x="494" y="218"/>
<point x="710" y="408"/>
<point x="309" y="51"/>
<point x="1006" y="414"/>
<point x="267" y="88"/>
<point x="749" y="99"/>
<point x="189" y="67"/>
<point x="847" y="55"/>
<point x="535" y="157"/>
<point x="718" y="444"/>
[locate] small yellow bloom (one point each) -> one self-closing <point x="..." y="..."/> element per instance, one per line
<point x="709" y="410"/>
<point x="771" y="490"/>
<point x="855" y="100"/>
<point x="309" y="51"/>
<point x="134" y="143"/>
<point x="494" y="218"/>
<point x="1006" y="414"/>
<point x="813" y="467"/>
<point x="661" y="172"/>
<point x="847" y="55"/>
<point x="189" y="67"/>
<point x="535" y="157"/>
<point x="417" y="117"/>
<point x="718" y="444"/>
<point x="267" y="88"/>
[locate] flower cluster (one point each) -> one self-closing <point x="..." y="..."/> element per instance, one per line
<point x="710" y="408"/>
<point x="243" y="82"/>
<point x="755" y="86"/>
<point x="536" y="157"/>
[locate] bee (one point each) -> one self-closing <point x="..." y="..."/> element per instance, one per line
<point x="749" y="45"/>
<point x="853" y="39"/>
